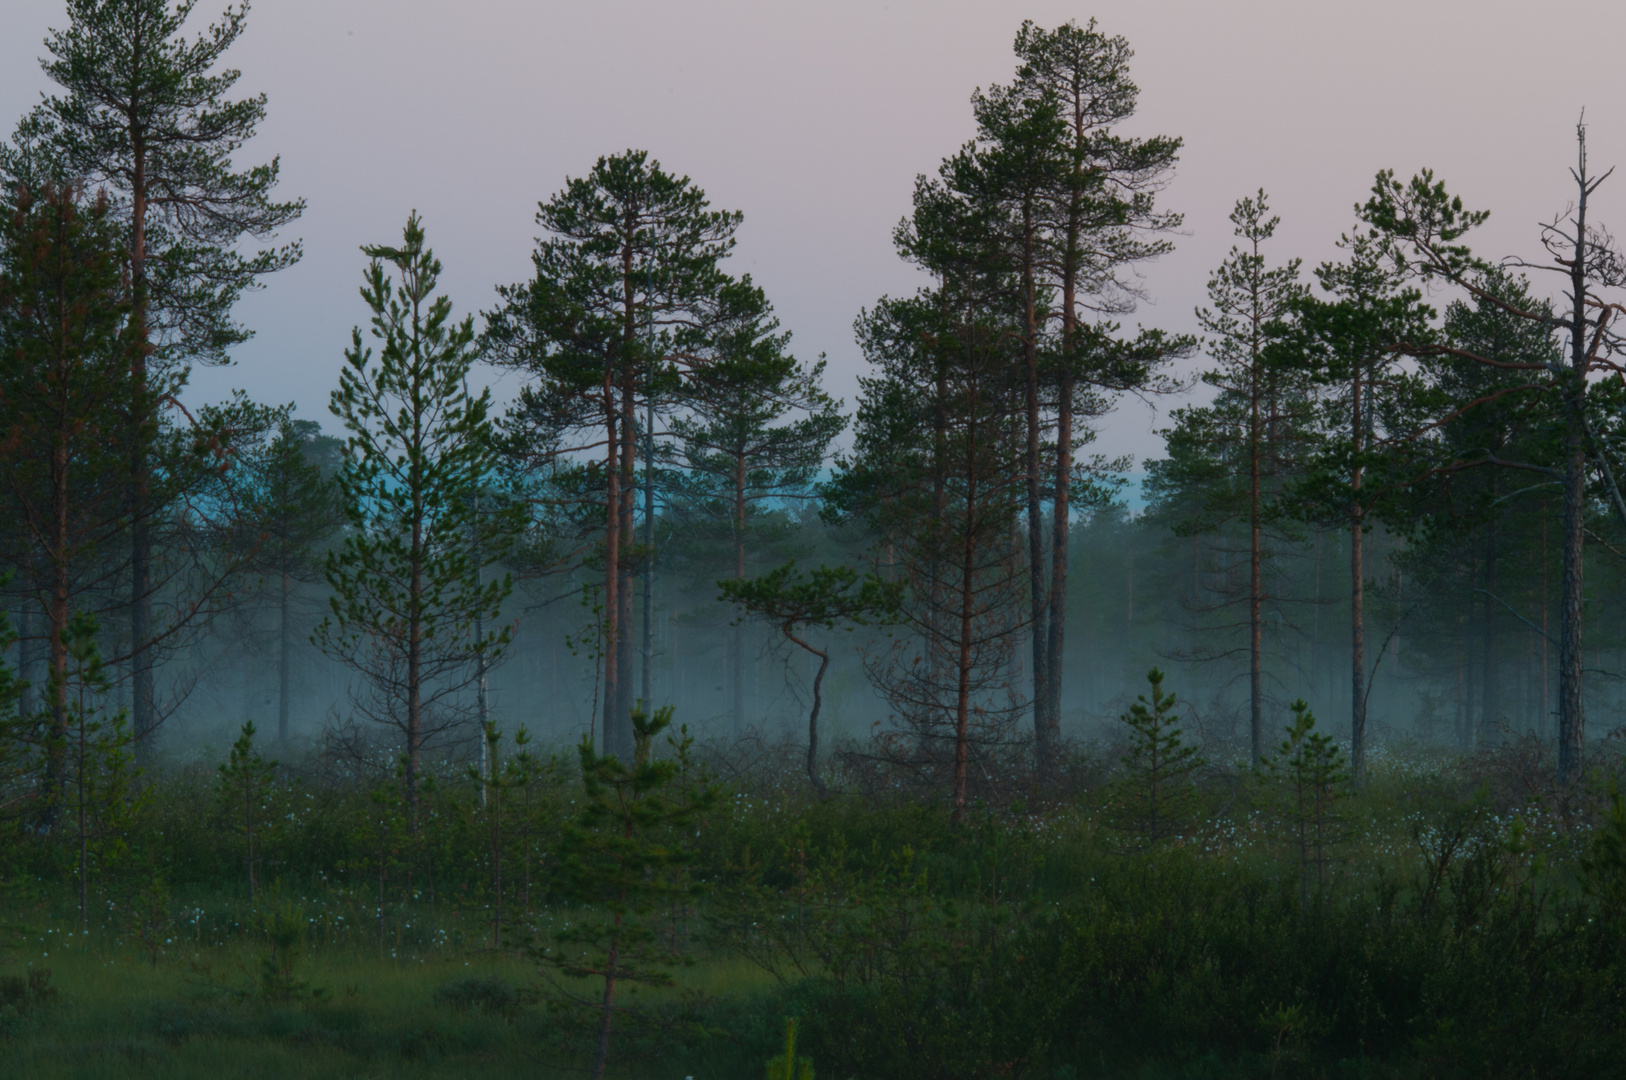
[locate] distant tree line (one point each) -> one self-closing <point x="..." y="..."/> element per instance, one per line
<point x="1462" y="462"/>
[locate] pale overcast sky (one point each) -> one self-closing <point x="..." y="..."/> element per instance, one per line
<point x="813" y="119"/>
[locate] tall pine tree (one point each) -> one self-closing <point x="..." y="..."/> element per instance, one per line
<point x="407" y="582"/>
<point x="146" y="115"/>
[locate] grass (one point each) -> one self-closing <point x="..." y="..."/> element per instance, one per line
<point x="197" y="1017"/>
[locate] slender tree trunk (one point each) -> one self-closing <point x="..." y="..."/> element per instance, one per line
<point x="624" y="596"/>
<point x="1061" y="525"/>
<point x="962" y="700"/>
<point x="143" y="721"/>
<point x="649" y="555"/>
<point x="248" y="835"/>
<point x="611" y="725"/>
<point x="56" y="752"/>
<point x="1357" y="593"/>
<point x="1546" y="636"/>
<point x="414" y="673"/>
<point x="939" y="508"/>
<point x="1470" y="713"/>
<point x="1571" y="704"/>
<point x="84" y="830"/>
<point x="1490" y="697"/>
<point x="1043" y="722"/>
<point x="1256" y="680"/>
<point x="736" y="640"/>
<point x="284" y="658"/>
<point x="27" y="645"/>
<point x="813" y="715"/>
<point x="1315" y="621"/>
<point x="601" y="1051"/>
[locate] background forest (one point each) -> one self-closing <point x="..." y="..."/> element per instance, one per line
<point x="670" y="714"/>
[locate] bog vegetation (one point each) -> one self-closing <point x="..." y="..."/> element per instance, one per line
<point x="676" y="720"/>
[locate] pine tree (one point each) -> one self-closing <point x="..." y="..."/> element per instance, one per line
<point x="497" y="778"/>
<point x="796" y="603"/>
<point x="1078" y="216"/>
<point x="1424" y="224"/>
<point x="1234" y="456"/>
<point x="1158" y="795"/>
<point x="1475" y="542"/>
<point x="759" y="432"/>
<point x="619" y="861"/>
<point x="1351" y="345"/>
<point x="100" y="796"/>
<point x="63" y="376"/>
<point x="789" y="1065"/>
<point x="627" y="297"/>
<point x="1308" y="773"/>
<point x="935" y="476"/>
<point x="244" y="787"/>
<point x="407" y="579"/>
<point x="287" y="510"/>
<point x="145" y="114"/>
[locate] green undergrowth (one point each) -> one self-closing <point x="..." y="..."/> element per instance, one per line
<point x="114" y="1015"/>
<point x="1444" y="924"/>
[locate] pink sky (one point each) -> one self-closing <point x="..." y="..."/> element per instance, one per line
<point x="814" y="119"/>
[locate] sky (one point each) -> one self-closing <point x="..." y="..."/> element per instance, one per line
<point x="814" y="119"/>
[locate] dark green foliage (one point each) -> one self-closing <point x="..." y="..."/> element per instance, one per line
<point x="101" y="797"/>
<point x="1230" y="462"/>
<point x="1309" y="777"/>
<point x="796" y="603"/>
<point x="21" y="996"/>
<point x="408" y="592"/>
<point x="490" y="994"/>
<point x="283" y="923"/>
<point x="145" y="115"/>
<point x="628" y="303"/>
<point x="787" y="1066"/>
<point x="619" y="860"/>
<point x="1603" y="868"/>
<point x="1158" y="797"/>
<point x="245" y="786"/>
<point x="132" y="79"/>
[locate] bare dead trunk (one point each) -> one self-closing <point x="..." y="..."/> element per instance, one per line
<point x="1571" y="704"/>
<point x="1571" y="693"/>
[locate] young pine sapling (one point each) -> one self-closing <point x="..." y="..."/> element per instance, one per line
<point x="1159" y="796"/>
<point x="245" y="785"/>
<point x="1310" y="778"/>
<point x="619" y="863"/>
